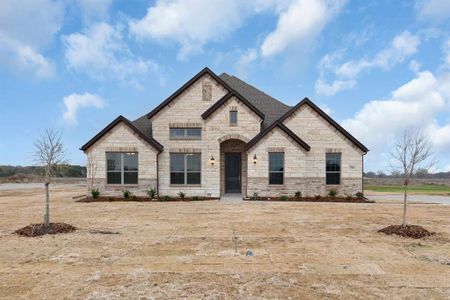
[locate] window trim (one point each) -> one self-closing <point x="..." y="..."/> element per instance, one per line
<point x="185" y="135"/>
<point x="122" y="169"/>
<point x="185" y="172"/>
<point x="231" y="123"/>
<point x="284" y="168"/>
<point x="334" y="172"/>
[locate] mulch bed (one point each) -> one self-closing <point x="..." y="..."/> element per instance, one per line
<point x="412" y="231"/>
<point x="314" y="199"/>
<point x="143" y="199"/>
<point x="39" y="229"/>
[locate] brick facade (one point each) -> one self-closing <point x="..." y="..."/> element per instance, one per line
<point x="304" y="171"/>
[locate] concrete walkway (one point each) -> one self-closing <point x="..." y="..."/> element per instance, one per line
<point x="231" y="198"/>
<point x="412" y="198"/>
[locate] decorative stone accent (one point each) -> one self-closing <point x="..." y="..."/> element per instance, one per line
<point x="206" y="90"/>
<point x="185" y="125"/>
<point x="275" y="149"/>
<point x="185" y="150"/>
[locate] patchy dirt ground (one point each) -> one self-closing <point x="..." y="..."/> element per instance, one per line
<point x="187" y="250"/>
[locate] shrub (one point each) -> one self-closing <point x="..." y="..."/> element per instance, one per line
<point x="255" y="196"/>
<point x="151" y="192"/>
<point x="127" y="194"/>
<point x="298" y="195"/>
<point x="359" y="195"/>
<point x="95" y="193"/>
<point x="317" y="197"/>
<point x="182" y="195"/>
<point x="195" y="198"/>
<point x="166" y="198"/>
<point x="284" y="197"/>
<point x="332" y="193"/>
<point x="349" y="197"/>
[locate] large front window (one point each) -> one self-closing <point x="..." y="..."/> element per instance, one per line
<point x="185" y="168"/>
<point x="185" y="133"/>
<point x="276" y="167"/>
<point x="333" y="168"/>
<point x="122" y="167"/>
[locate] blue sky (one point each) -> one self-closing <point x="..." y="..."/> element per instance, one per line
<point x="377" y="67"/>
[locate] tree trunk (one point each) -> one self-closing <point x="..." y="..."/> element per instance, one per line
<point x="405" y="195"/>
<point x="47" y="210"/>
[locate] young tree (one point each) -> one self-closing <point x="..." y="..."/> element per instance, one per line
<point x="412" y="152"/>
<point x="50" y="154"/>
<point x="91" y="172"/>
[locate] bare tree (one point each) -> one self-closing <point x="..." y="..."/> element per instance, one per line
<point x="50" y="154"/>
<point x="412" y="152"/>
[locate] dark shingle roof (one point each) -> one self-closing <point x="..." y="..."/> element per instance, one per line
<point x="269" y="106"/>
<point x="144" y="125"/>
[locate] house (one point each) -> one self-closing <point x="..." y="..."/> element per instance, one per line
<point x="216" y="135"/>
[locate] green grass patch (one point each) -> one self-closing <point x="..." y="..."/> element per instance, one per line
<point x="419" y="188"/>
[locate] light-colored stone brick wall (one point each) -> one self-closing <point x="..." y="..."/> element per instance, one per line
<point x="187" y="108"/>
<point x="323" y="138"/>
<point x="122" y="139"/>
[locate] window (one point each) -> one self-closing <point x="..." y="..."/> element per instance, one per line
<point x="186" y="133"/>
<point x="206" y="90"/>
<point x="121" y="168"/>
<point x="333" y="168"/>
<point x="185" y="168"/>
<point x="233" y="117"/>
<point x="276" y="167"/>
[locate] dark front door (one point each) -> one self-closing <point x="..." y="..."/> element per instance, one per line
<point x="232" y="172"/>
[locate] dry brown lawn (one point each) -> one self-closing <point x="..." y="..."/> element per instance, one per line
<point x="186" y="250"/>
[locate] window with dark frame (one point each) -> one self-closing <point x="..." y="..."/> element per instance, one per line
<point x="276" y="167"/>
<point x="185" y="168"/>
<point x="122" y="167"/>
<point x="186" y="133"/>
<point x="233" y="117"/>
<point x="333" y="168"/>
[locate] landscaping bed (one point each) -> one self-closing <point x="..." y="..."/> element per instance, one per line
<point x="412" y="231"/>
<point x="39" y="229"/>
<point x="312" y="199"/>
<point x="144" y="199"/>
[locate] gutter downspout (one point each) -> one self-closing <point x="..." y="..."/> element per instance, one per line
<point x="157" y="173"/>
<point x="362" y="175"/>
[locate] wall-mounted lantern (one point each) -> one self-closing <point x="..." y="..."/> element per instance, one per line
<point x="255" y="159"/>
<point x="212" y="160"/>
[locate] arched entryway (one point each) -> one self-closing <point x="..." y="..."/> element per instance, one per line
<point x="233" y="167"/>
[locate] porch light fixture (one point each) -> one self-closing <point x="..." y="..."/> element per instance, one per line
<point x="255" y="159"/>
<point x="212" y="160"/>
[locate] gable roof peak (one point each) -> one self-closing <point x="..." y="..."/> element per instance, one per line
<point x="324" y="115"/>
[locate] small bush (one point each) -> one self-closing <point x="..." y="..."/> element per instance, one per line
<point x="151" y="192"/>
<point x="284" y="198"/>
<point x="127" y="194"/>
<point x="348" y="197"/>
<point x="166" y="198"/>
<point x="255" y="196"/>
<point x="182" y="195"/>
<point x="298" y="195"/>
<point x="359" y="195"/>
<point x="317" y="197"/>
<point x="332" y="193"/>
<point x="194" y="198"/>
<point x="95" y="193"/>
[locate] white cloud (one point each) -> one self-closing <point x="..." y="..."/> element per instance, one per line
<point x="246" y="58"/>
<point x="24" y="33"/>
<point x="94" y="9"/>
<point x="402" y="46"/>
<point x="74" y="102"/>
<point x="193" y="23"/>
<point x="298" y="23"/>
<point x="416" y="104"/>
<point x="433" y="11"/>
<point x="102" y="54"/>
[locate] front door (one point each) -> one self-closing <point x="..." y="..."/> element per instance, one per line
<point x="233" y="172"/>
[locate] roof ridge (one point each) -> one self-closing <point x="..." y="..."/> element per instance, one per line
<point x="261" y="91"/>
